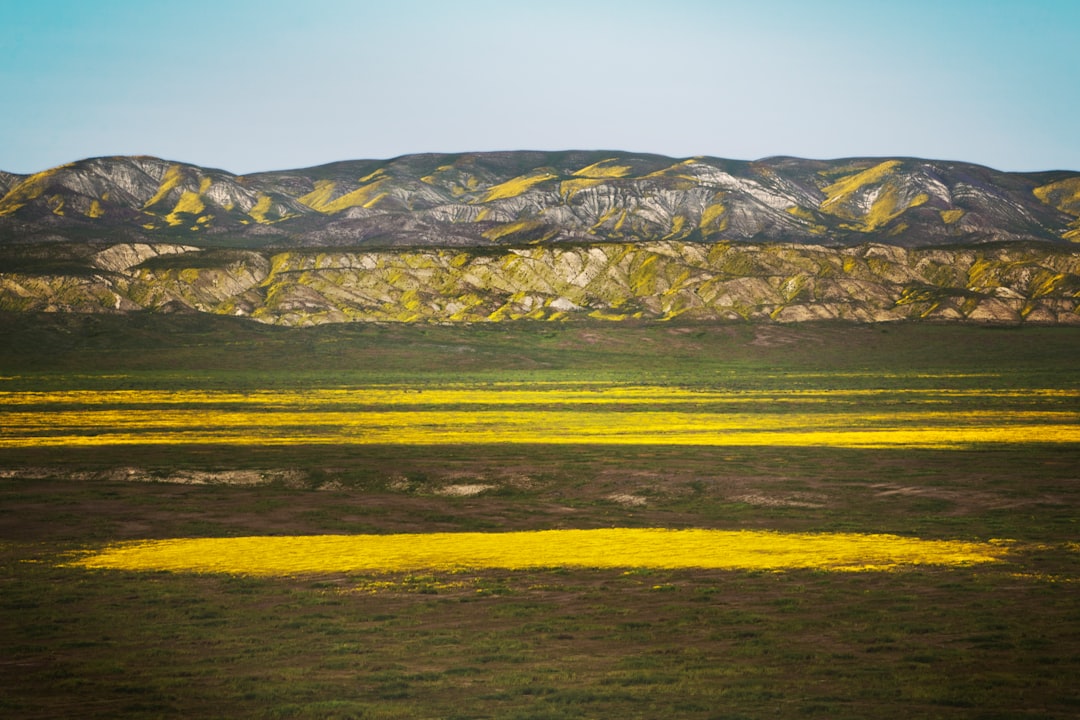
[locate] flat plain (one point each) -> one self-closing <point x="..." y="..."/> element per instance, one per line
<point x="224" y="434"/>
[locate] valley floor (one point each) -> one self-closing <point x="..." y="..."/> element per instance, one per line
<point x="992" y="640"/>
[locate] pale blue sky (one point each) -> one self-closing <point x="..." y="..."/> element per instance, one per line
<point x="249" y="85"/>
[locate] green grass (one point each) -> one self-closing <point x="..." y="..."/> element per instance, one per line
<point x="209" y="350"/>
<point x="996" y="641"/>
<point x="566" y="644"/>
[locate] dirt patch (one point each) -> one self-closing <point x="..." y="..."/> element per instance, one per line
<point x="767" y="336"/>
<point x="965" y="500"/>
<point x="464" y="490"/>
<point x="27" y="473"/>
<point x="461" y="483"/>
<point x="399" y="483"/>
<point x="788" y="336"/>
<point x="797" y="500"/>
<point x="628" y="500"/>
<point x="241" y="478"/>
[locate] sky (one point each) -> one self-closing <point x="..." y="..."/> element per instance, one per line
<point x="250" y="85"/>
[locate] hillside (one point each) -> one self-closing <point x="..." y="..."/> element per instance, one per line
<point x="657" y="280"/>
<point x="515" y="198"/>
<point x="546" y="236"/>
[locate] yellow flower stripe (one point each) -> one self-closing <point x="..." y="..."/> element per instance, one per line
<point x="605" y="548"/>
<point x="540" y="413"/>
<point x="926" y="429"/>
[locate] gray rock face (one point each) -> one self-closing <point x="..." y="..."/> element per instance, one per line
<point x="657" y="280"/>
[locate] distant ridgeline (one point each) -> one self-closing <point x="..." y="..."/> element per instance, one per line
<point x="551" y="236"/>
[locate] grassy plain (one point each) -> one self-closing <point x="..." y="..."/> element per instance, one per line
<point x="989" y="640"/>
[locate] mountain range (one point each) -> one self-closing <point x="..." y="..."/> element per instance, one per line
<point x="532" y="197"/>
<point x="490" y="236"/>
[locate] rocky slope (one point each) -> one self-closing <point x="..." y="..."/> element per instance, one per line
<point x="661" y="279"/>
<point x="523" y="198"/>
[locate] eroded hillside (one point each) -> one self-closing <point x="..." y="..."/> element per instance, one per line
<point x="611" y="281"/>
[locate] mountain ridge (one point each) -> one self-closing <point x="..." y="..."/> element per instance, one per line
<point x="530" y="197"/>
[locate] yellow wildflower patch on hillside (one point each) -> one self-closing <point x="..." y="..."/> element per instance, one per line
<point x="1073" y="235"/>
<point x="365" y="196"/>
<point x="951" y="216"/>
<point x="678" y="226"/>
<point x="885" y="205"/>
<point x="169" y="181"/>
<point x="888" y="206"/>
<point x="189" y="202"/>
<point x="809" y="217"/>
<point x="28" y="189"/>
<point x="517" y="186"/>
<point x="678" y="170"/>
<point x="570" y="188"/>
<point x="600" y="549"/>
<point x="1063" y="195"/>
<point x="321" y="196"/>
<point x="845" y="186"/>
<point x="714" y="213"/>
<point x="603" y="169"/>
<point x="261" y="208"/>
<point x="508" y="229"/>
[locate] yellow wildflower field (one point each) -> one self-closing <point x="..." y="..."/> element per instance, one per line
<point x="547" y="393"/>
<point x="603" y="548"/>
<point x="539" y="414"/>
